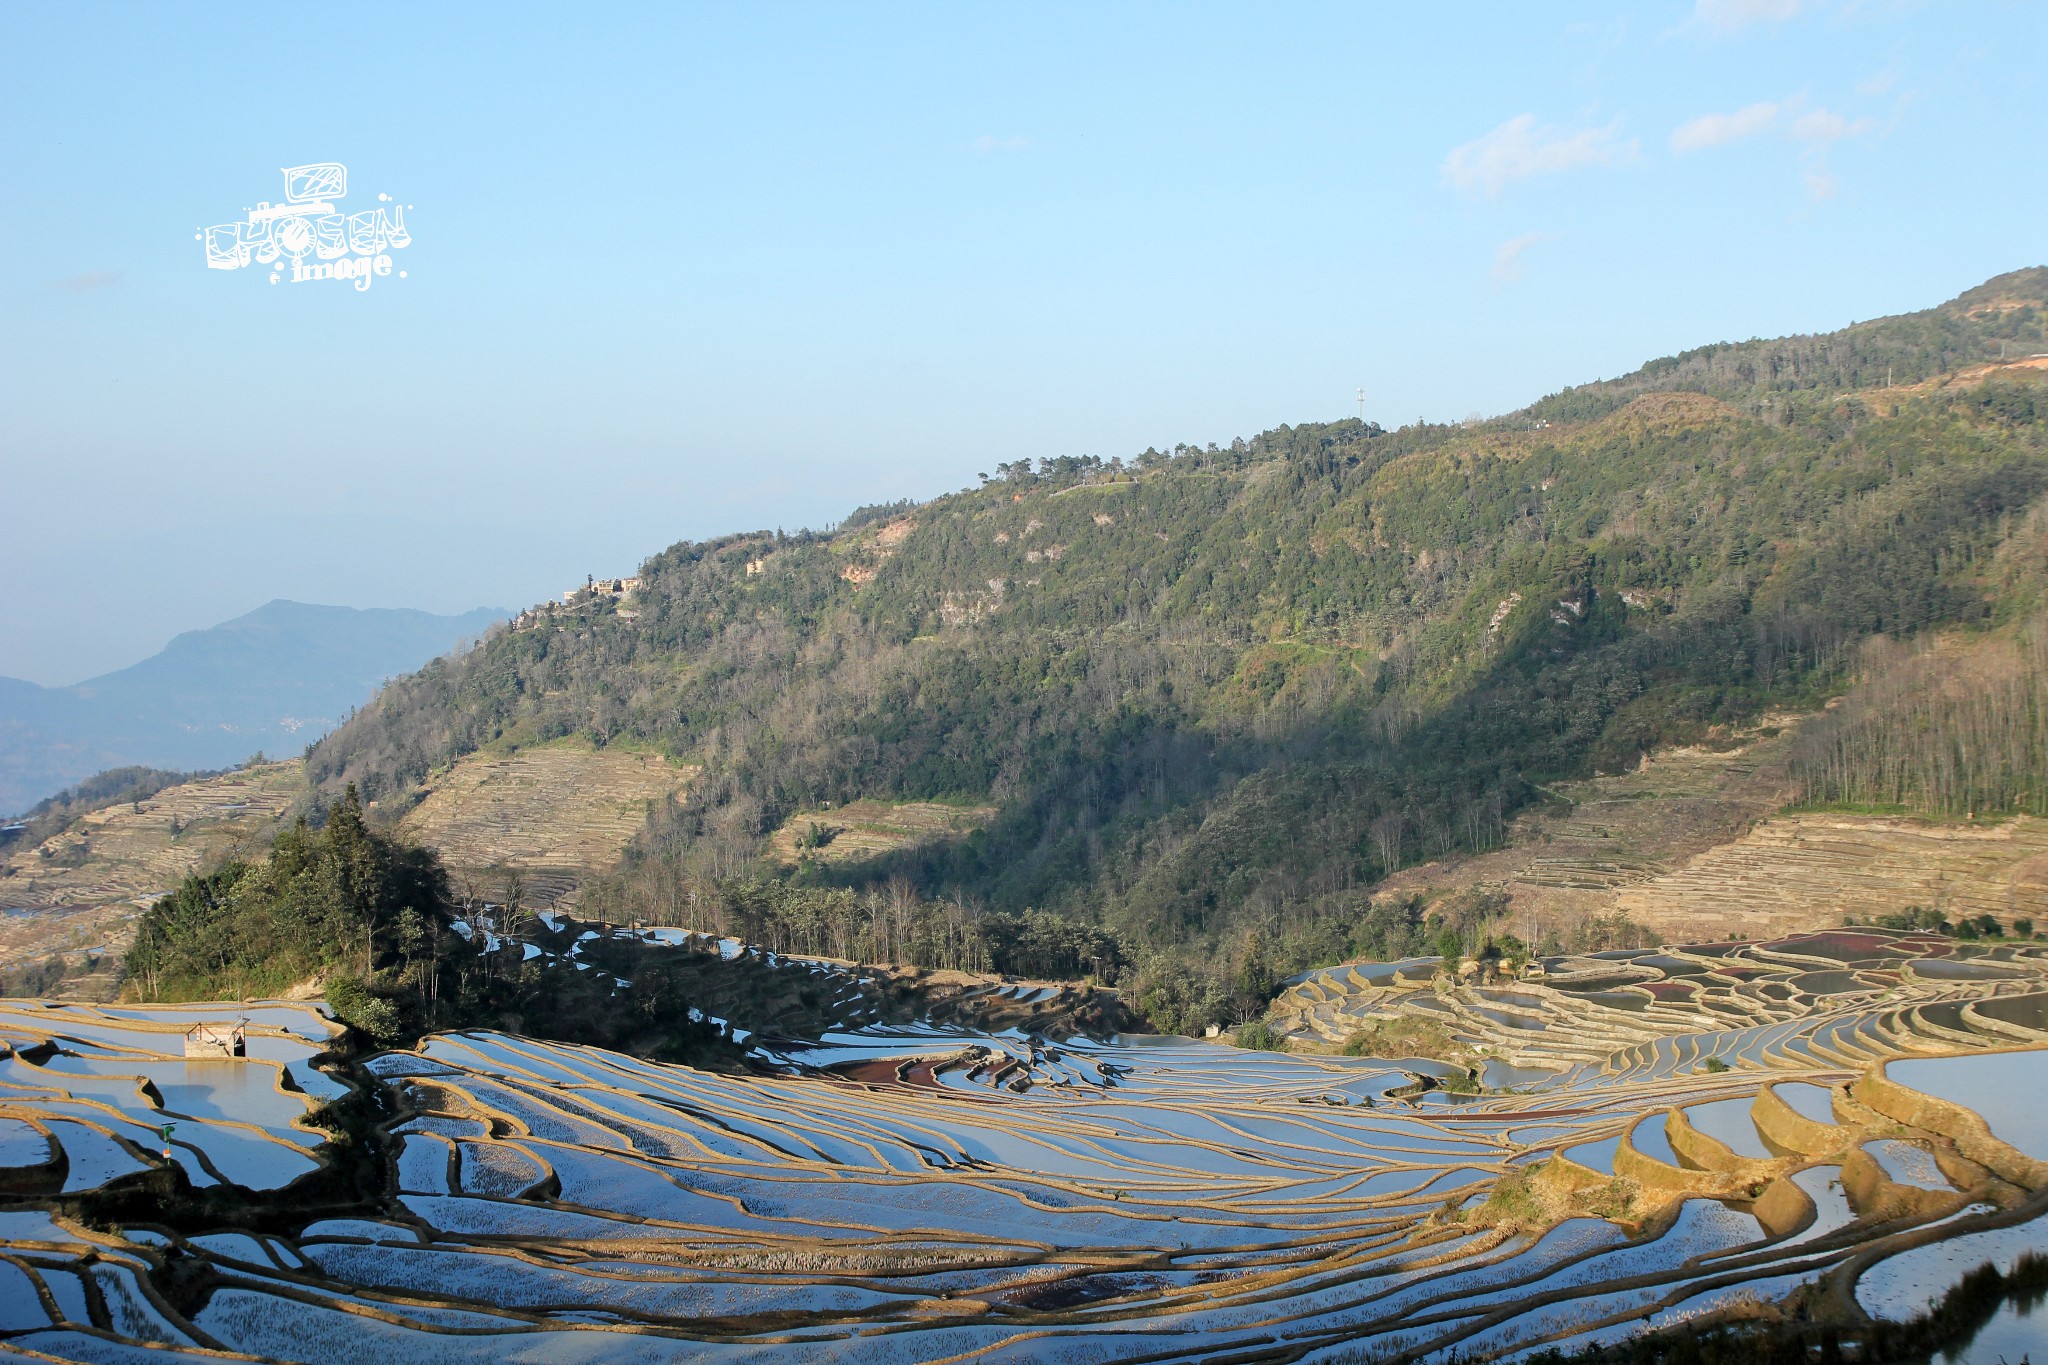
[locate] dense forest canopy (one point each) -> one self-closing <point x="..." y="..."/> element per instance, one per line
<point x="1217" y="693"/>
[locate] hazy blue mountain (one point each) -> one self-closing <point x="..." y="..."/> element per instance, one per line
<point x="275" y="679"/>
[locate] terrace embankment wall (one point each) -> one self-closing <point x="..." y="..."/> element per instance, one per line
<point x="1781" y="1123"/>
<point x="1970" y="1134"/>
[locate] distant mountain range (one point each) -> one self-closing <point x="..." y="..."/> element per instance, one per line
<point x="275" y="680"/>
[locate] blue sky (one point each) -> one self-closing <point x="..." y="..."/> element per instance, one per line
<point x="678" y="269"/>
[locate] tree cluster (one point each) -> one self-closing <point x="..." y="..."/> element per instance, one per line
<point x="336" y="900"/>
<point x="1939" y="728"/>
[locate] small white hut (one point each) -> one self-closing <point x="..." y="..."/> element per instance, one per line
<point x="216" y="1041"/>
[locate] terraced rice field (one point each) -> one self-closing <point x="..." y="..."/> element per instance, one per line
<point x="81" y="891"/>
<point x="919" y="1193"/>
<point x="1603" y="833"/>
<point x="1795" y="871"/>
<point x="1691" y="844"/>
<point x="557" y="813"/>
<point x="87" y="1090"/>
<point x="128" y="852"/>
<point x="865" y="829"/>
<point x="1848" y="996"/>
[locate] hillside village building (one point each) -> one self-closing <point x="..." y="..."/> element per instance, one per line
<point x="609" y="587"/>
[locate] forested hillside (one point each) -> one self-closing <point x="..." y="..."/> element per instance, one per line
<point x="1216" y="693"/>
<point x="1998" y="321"/>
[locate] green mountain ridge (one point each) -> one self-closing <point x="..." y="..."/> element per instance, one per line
<point x="1998" y="320"/>
<point x="1217" y="693"/>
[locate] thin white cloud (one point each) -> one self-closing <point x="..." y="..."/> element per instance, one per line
<point x="1824" y="126"/>
<point x="1507" y="258"/>
<point x="1520" y="148"/>
<point x="90" y="280"/>
<point x="1732" y="16"/>
<point x="1718" y="130"/>
<point x="1815" y="129"/>
<point x="989" y="143"/>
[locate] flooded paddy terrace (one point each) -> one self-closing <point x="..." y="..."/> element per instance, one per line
<point x="918" y="1193"/>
